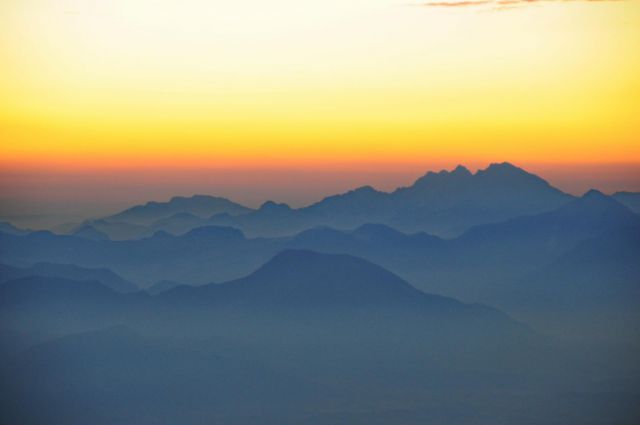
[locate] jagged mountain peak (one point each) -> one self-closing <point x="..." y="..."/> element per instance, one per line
<point x="503" y="166"/>
<point x="506" y="170"/>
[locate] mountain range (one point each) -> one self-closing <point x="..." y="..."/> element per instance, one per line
<point x="444" y="203"/>
<point x="197" y="205"/>
<point x="465" y="298"/>
<point x="484" y="264"/>
<point x="304" y="335"/>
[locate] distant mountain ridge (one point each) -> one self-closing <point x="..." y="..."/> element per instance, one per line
<point x="7" y="227"/>
<point x="214" y="253"/>
<point x="523" y="308"/>
<point x="305" y="280"/>
<point x="292" y="284"/>
<point x="304" y="329"/>
<point x="202" y="206"/>
<point x="68" y="271"/>
<point x="485" y="264"/>
<point x="445" y="203"/>
<point x="584" y="217"/>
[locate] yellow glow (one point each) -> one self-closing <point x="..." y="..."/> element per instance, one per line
<point x="98" y="83"/>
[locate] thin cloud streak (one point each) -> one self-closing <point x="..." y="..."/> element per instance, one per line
<point x="501" y="3"/>
<point x="457" y="3"/>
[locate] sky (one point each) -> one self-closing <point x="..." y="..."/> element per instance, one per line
<point x="107" y="103"/>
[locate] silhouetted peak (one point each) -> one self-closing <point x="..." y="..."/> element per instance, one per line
<point x="594" y="194"/>
<point x="364" y="190"/>
<point x="505" y="173"/>
<point x="361" y="195"/>
<point x="150" y="204"/>
<point x="273" y="206"/>
<point x="198" y="205"/>
<point x="504" y="168"/>
<point x="461" y="170"/>
<point x="304" y="263"/>
<point x="596" y="204"/>
<point x="194" y="198"/>
<point x="595" y="198"/>
<point x="338" y="274"/>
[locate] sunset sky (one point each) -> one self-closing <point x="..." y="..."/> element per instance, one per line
<point x="104" y="103"/>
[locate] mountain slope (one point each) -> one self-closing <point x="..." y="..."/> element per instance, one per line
<point x="197" y="257"/>
<point x="485" y="260"/>
<point x="9" y="228"/>
<point x="549" y="233"/>
<point x="68" y="271"/>
<point x="323" y="332"/>
<point x="295" y="298"/>
<point x="88" y="231"/>
<point x="338" y="292"/>
<point x="629" y="199"/>
<point x="592" y="291"/>
<point x="115" y="230"/>
<point x="179" y="223"/>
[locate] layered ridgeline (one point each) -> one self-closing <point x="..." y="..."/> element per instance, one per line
<point x="68" y="271"/>
<point x="295" y="287"/>
<point x="198" y="205"/>
<point x="9" y="228"/>
<point x="307" y="329"/>
<point x="306" y="338"/>
<point x="177" y="215"/>
<point x="444" y="203"/>
<point x="488" y="263"/>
